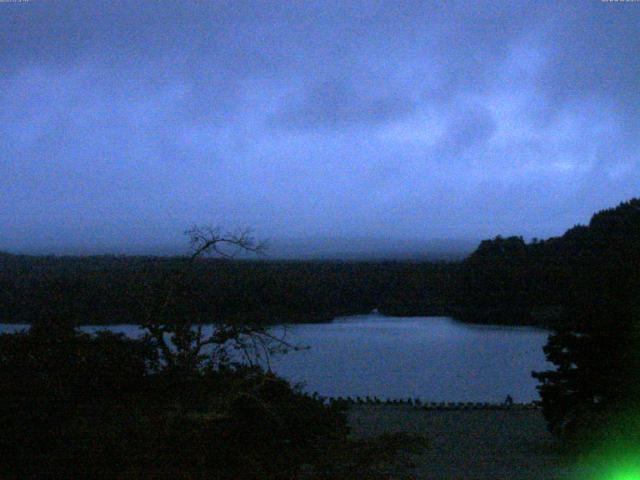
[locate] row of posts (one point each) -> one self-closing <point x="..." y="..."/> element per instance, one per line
<point x="417" y="402"/>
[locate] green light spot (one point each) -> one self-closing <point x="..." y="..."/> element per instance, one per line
<point x="627" y="475"/>
<point x="629" y="470"/>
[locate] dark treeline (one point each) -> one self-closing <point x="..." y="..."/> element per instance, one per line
<point x="506" y="280"/>
<point x="111" y="289"/>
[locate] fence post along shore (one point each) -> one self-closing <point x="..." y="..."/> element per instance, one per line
<point x="420" y="404"/>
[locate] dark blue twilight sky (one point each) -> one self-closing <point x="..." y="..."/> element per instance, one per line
<point x="124" y="122"/>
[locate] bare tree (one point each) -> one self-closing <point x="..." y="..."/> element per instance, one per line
<point x="207" y="241"/>
<point x="183" y="344"/>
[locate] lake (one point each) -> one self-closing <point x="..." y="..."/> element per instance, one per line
<point x="435" y="359"/>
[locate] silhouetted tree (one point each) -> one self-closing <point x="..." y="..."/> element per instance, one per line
<point x="597" y="358"/>
<point x="175" y="323"/>
<point x="596" y="349"/>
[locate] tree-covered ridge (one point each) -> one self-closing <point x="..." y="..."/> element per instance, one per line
<point x="608" y="230"/>
<point x="108" y="289"/>
<point x="522" y="279"/>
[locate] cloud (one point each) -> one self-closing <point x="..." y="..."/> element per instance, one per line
<point x="468" y="128"/>
<point x="127" y="121"/>
<point x="339" y="104"/>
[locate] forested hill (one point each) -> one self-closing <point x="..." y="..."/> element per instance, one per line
<point x="532" y="281"/>
<point x="118" y="289"/>
<point x="506" y="280"/>
<point x="608" y="231"/>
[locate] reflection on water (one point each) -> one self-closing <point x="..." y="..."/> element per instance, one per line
<point x="432" y="358"/>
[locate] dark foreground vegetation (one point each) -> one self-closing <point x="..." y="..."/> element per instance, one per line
<point x="76" y="406"/>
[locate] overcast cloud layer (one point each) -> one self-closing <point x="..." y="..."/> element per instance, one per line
<point x="122" y="123"/>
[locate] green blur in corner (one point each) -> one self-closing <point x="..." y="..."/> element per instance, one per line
<point x="618" y="460"/>
<point x="611" y="450"/>
<point x="623" y="469"/>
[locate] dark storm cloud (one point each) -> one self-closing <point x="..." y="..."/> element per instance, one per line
<point x="124" y="122"/>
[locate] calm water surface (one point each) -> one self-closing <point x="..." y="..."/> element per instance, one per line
<point x="433" y="358"/>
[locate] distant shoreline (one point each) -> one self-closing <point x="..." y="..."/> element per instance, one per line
<point x="439" y="313"/>
<point x="109" y="290"/>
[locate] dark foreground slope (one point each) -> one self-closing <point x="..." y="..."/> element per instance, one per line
<point x="472" y="444"/>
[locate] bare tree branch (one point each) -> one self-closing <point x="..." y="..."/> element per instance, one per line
<point x="182" y="341"/>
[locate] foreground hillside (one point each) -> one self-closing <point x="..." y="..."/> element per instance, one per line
<point x="471" y="444"/>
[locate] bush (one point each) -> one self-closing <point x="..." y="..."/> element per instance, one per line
<point x="76" y="405"/>
<point x="597" y="375"/>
